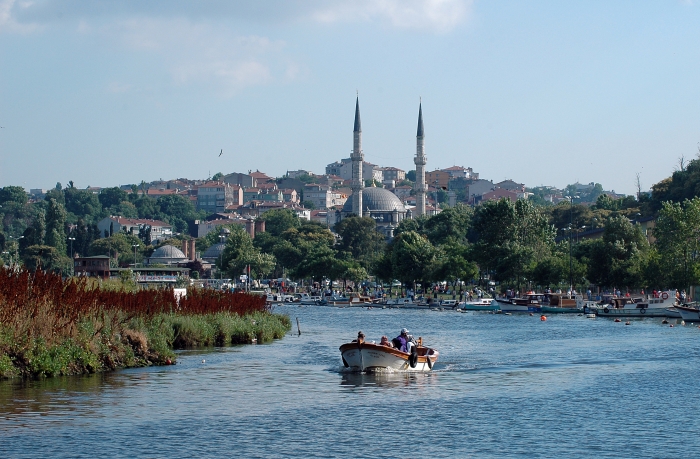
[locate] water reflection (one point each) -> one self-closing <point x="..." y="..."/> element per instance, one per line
<point x="387" y="380"/>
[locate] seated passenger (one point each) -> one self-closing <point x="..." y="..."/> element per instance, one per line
<point x="385" y="342"/>
<point x="360" y="338"/>
<point x="401" y="341"/>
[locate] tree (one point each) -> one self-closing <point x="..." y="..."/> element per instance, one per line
<point x="239" y="253"/>
<point x="677" y="234"/>
<point x="109" y="197"/>
<point x="453" y="264"/>
<point x="82" y="203"/>
<point x="450" y="225"/>
<point x="359" y="236"/>
<point x="217" y="176"/>
<point x="55" y="226"/>
<point x="308" y="205"/>
<point x="13" y="194"/>
<point x="46" y="258"/>
<point x="412" y="258"/>
<point x="617" y="260"/>
<point x="277" y="221"/>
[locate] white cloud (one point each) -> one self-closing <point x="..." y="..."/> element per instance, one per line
<point x="8" y="20"/>
<point x="435" y="15"/>
<point x="206" y="53"/>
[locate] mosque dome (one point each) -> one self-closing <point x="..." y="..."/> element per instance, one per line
<point x="214" y="251"/>
<point x="376" y="199"/>
<point x="168" y="251"/>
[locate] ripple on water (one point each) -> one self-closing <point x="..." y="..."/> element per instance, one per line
<point x="504" y="386"/>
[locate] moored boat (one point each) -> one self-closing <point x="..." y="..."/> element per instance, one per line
<point x="640" y="306"/>
<point x="405" y="303"/>
<point x="482" y="304"/>
<point x="531" y="302"/>
<point x="688" y="313"/>
<point x="360" y="355"/>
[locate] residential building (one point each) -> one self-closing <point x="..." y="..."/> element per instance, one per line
<point x="290" y="195"/>
<point x="112" y="225"/>
<point x="97" y="266"/>
<point x="216" y="196"/>
<point x="392" y="173"/>
<point x="343" y="169"/>
<point x="322" y="196"/>
<point x="510" y="185"/>
<point x="297" y="174"/>
<point x="242" y="180"/>
<point x="497" y="194"/>
<point x="257" y="208"/>
<point x="477" y="188"/>
<point x="438" y="179"/>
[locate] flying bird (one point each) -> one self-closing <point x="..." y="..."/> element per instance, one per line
<point x="222" y="152"/>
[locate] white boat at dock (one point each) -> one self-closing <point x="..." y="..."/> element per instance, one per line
<point x="482" y="304"/>
<point x="640" y="306"/>
<point x="370" y="357"/>
<point x="406" y="302"/>
<point x="688" y="313"/>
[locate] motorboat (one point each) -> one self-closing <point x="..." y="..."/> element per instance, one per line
<point x="363" y="356"/>
<point x="482" y="304"/>
<point x="562" y="303"/>
<point x="688" y="313"/>
<point x="531" y="302"/>
<point x="640" y="306"/>
<point x="406" y="302"/>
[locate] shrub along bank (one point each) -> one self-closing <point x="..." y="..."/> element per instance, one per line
<point x="50" y="326"/>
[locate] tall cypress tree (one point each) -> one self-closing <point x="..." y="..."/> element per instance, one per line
<point x="55" y="226"/>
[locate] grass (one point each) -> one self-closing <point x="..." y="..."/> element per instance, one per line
<point x="51" y="327"/>
<point x="114" y="341"/>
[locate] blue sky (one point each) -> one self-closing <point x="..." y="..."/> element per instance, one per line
<point x="107" y="92"/>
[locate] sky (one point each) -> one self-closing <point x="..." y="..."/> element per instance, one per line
<point x="107" y="93"/>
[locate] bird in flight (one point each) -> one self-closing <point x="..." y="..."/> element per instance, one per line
<point x="222" y="152"/>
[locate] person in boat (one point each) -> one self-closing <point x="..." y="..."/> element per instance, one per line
<point x="385" y="342"/>
<point x="404" y="342"/>
<point x="360" y="338"/>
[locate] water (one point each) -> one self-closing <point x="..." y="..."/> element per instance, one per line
<point x="505" y="386"/>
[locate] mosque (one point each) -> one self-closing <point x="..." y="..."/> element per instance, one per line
<point x="379" y="203"/>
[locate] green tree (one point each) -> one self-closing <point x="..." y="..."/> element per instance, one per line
<point x="677" y="234"/>
<point x="359" y="236"/>
<point x="450" y="225"/>
<point x="46" y="258"/>
<point x="239" y="253"/>
<point x="412" y="258"/>
<point x="14" y="194"/>
<point x="109" y="197"/>
<point x="82" y="203"/>
<point x="452" y="264"/>
<point x="277" y="221"/>
<point x="55" y="226"/>
<point x="617" y="260"/>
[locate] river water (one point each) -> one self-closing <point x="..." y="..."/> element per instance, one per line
<point x="504" y="386"/>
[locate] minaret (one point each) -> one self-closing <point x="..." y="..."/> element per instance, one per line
<point x="357" y="159"/>
<point x="420" y="160"/>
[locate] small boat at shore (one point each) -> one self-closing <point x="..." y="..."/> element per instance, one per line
<point x="688" y="313"/>
<point x="641" y="306"/>
<point x="370" y="357"/>
<point x="482" y="304"/>
<point x="531" y="302"/>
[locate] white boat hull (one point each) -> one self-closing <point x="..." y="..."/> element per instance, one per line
<point x="373" y="357"/>
<point x="688" y="314"/>
<point x="629" y="312"/>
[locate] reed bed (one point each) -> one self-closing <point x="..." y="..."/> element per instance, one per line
<point x="54" y="326"/>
